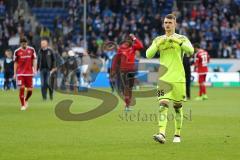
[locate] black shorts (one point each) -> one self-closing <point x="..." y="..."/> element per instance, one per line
<point x="8" y="75"/>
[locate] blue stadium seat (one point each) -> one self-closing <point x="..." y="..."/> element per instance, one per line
<point x="46" y="16"/>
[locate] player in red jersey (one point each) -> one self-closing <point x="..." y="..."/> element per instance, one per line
<point x="202" y="59"/>
<point x="124" y="66"/>
<point x="25" y="66"/>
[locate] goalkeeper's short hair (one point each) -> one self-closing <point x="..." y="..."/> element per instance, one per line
<point x="171" y="16"/>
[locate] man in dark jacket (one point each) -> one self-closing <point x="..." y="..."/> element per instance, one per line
<point x="46" y="66"/>
<point x="187" y="68"/>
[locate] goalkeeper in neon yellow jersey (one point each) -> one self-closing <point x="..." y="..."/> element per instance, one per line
<point x="171" y="83"/>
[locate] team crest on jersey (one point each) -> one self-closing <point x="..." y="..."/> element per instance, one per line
<point x="29" y="52"/>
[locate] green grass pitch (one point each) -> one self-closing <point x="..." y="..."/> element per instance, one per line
<point x="211" y="130"/>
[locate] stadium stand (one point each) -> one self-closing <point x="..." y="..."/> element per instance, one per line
<point x="214" y="23"/>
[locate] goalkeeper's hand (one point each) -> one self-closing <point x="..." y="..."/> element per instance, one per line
<point x="175" y="40"/>
<point x="159" y="41"/>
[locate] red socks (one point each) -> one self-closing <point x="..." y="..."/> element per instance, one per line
<point x="29" y="93"/>
<point x="202" y="89"/>
<point x="127" y="101"/>
<point x="21" y="96"/>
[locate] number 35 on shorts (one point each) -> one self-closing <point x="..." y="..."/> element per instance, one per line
<point x="160" y="93"/>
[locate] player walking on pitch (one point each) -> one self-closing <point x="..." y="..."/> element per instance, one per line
<point x="202" y="58"/>
<point x="171" y="84"/>
<point x="123" y="65"/>
<point x="25" y="66"/>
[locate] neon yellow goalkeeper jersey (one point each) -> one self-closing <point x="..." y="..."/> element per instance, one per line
<point x="171" y="56"/>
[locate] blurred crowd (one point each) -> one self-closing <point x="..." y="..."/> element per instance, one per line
<point x="213" y="23"/>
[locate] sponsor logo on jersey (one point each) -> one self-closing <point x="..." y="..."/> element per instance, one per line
<point x="25" y="57"/>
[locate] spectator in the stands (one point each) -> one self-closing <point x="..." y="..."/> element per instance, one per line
<point x="2" y="10"/>
<point x="13" y="41"/>
<point x="210" y="23"/>
<point x="237" y="51"/>
<point x="226" y="51"/>
<point x="45" y="32"/>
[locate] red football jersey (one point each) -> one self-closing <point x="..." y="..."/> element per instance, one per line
<point x="125" y="57"/>
<point x="202" y="58"/>
<point x="25" y="58"/>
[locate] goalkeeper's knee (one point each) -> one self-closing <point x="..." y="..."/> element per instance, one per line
<point x="164" y="103"/>
<point x="177" y="106"/>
